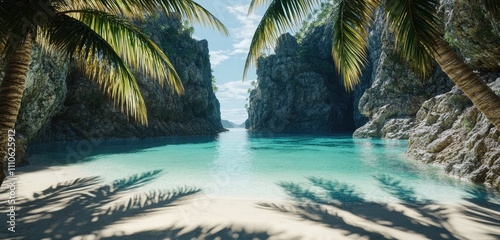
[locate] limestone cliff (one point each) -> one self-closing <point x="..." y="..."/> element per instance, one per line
<point x="446" y="129"/>
<point x="396" y="94"/>
<point x="451" y="132"/>
<point x="87" y="113"/>
<point x="298" y="89"/>
<point x="43" y="98"/>
<point x="58" y="104"/>
<point x="389" y="94"/>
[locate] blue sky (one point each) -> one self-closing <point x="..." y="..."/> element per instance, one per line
<point x="228" y="54"/>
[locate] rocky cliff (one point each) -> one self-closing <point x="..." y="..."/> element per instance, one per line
<point x="443" y="126"/>
<point x="451" y="132"/>
<point x="396" y="94"/>
<point x="58" y="104"/>
<point x="86" y="113"/>
<point x="298" y="89"/>
<point x="44" y="95"/>
<point x="390" y="94"/>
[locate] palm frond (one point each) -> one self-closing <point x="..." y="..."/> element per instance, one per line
<point x="256" y="4"/>
<point x="135" y="48"/>
<point x="98" y="61"/>
<point x="193" y="12"/>
<point x="187" y="9"/>
<point x="127" y="8"/>
<point x="415" y="25"/>
<point x="279" y="16"/>
<point x="350" y="38"/>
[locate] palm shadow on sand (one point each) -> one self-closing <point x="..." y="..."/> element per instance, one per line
<point x="85" y="206"/>
<point x="427" y="219"/>
<point x="199" y="233"/>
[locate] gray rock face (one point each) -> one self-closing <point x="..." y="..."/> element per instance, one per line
<point x="42" y="99"/>
<point x="445" y="130"/>
<point x="44" y="94"/>
<point x="88" y="114"/>
<point x="470" y="28"/>
<point x="396" y="93"/>
<point x="61" y="107"/>
<point x="451" y="132"/>
<point x="387" y="99"/>
<point x="297" y="89"/>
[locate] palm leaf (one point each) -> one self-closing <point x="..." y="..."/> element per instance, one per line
<point x="415" y="25"/>
<point x="279" y="16"/>
<point x="187" y="9"/>
<point x="350" y="38"/>
<point x="98" y="61"/>
<point x="257" y="3"/>
<point x="193" y="12"/>
<point x="135" y="48"/>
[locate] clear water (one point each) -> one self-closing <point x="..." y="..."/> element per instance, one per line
<point x="237" y="164"/>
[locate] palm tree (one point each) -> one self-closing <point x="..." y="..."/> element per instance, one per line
<point x="415" y="24"/>
<point x="98" y="37"/>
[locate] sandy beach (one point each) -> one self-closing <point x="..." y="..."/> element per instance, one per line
<point x="63" y="203"/>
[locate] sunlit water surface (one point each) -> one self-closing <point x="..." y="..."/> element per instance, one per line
<point x="237" y="164"/>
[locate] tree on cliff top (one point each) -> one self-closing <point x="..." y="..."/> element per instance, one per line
<point x="415" y="24"/>
<point x="98" y="37"/>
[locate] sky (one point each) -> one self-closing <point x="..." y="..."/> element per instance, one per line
<point x="228" y="54"/>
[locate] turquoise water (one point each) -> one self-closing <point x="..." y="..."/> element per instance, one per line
<point x="237" y="164"/>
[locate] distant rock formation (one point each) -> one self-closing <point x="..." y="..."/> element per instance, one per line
<point x="229" y="124"/>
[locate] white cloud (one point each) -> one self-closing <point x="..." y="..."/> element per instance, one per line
<point x="233" y="95"/>
<point x="235" y="90"/>
<point x="217" y="57"/>
<point x="244" y="33"/>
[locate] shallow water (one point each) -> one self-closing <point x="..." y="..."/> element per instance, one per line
<point x="237" y="164"/>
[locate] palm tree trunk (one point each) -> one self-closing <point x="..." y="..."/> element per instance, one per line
<point x="483" y="98"/>
<point x="11" y="93"/>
